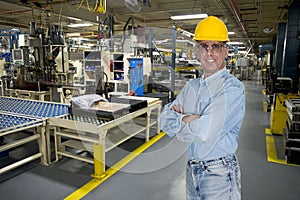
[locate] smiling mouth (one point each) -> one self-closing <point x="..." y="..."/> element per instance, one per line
<point x="210" y="60"/>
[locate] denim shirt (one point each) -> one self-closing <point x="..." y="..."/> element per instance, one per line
<point x="220" y="101"/>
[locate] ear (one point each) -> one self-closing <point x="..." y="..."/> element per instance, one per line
<point x="226" y="51"/>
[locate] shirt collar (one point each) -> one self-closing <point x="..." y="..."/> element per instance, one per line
<point x="219" y="74"/>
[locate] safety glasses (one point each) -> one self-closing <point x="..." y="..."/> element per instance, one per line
<point x="215" y="48"/>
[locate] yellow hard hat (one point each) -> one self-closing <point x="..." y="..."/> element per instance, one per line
<point x="211" y="28"/>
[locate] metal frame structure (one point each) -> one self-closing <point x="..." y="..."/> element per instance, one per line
<point x="11" y="124"/>
<point x="97" y="136"/>
<point x="18" y="115"/>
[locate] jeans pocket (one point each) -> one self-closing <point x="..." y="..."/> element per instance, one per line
<point x="218" y="170"/>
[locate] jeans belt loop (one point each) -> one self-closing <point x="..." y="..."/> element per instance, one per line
<point x="224" y="161"/>
<point x="202" y="164"/>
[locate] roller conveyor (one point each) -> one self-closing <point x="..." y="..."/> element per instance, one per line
<point x="86" y="119"/>
<point x="21" y="114"/>
<point x="12" y="123"/>
<point x="32" y="108"/>
<point x="100" y="135"/>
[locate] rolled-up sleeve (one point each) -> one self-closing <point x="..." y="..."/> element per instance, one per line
<point x="170" y="121"/>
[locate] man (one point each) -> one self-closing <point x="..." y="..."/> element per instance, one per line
<point x="208" y="114"/>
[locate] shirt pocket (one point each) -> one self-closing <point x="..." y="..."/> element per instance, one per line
<point x="201" y="104"/>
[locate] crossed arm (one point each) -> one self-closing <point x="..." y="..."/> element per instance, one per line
<point x="188" y="118"/>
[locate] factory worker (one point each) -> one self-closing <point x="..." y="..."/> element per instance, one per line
<point x="207" y="114"/>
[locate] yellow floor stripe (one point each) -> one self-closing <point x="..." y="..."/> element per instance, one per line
<point x="271" y="149"/>
<point x="88" y="187"/>
<point x="265" y="106"/>
<point x="268" y="131"/>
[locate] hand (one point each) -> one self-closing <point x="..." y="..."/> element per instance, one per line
<point x="177" y="108"/>
<point x="190" y="118"/>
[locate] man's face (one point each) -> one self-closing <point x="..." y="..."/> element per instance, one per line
<point x="212" y="56"/>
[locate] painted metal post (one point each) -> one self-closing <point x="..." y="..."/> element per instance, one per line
<point x="99" y="157"/>
<point x="173" y="63"/>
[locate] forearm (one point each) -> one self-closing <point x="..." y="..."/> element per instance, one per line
<point x="170" y="121"/>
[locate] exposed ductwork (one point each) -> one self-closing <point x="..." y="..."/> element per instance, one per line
<point x="234" y="9"/>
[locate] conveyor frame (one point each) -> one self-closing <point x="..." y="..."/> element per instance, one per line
<point x="38" y="135"/>
<point x="18" y="115"/>
<point x="96" y="137"/>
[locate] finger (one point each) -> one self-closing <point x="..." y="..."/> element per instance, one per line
<point x="175" y="108"/>
<point x="180" y="108"/>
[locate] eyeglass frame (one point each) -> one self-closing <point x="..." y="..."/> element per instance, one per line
<point x="199" y="46"/>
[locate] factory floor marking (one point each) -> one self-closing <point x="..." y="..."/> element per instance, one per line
<point x="271" y="150"/>
<point x="88" y="187"/>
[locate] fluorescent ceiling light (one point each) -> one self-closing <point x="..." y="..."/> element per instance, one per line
<point x="72" y="34"/>
<point x="194" y="16"/>
<point x="80" y="25"/>
<point x="81" y="39"/>
<point x="235" y="43"/>
<point x="268" y="30"/>
<point x="15" y="30"/>
<point x="73" y="18"/>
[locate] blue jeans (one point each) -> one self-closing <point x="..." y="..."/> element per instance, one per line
<point x="218" y="179"/>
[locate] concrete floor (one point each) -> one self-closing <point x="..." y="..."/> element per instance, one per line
<point x="159" y="172"/>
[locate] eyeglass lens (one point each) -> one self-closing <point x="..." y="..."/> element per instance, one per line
<point x="213" y="47"/>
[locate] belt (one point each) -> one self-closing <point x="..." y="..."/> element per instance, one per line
<point x="223" y="160"/>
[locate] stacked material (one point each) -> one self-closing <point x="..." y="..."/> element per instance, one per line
<point x="100" y="109"/>
<point x="292" y="133"/>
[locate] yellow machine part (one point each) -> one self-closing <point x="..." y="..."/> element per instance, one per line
<point x="279" y="113"/>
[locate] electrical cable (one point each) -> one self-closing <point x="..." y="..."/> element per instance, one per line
<point x="89" y="8"/>
<point x="80" y="5"/>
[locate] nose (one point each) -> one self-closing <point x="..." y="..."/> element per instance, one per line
<point x="209" y="50"/>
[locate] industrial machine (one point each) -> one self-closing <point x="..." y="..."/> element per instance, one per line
<point x="292" y="132"/>
<point x="136" y="76"/>
<point x="278" y="115"/>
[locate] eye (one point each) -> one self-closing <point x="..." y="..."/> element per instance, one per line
<point x="204" y="46"/>
<point x="215" y="46"/>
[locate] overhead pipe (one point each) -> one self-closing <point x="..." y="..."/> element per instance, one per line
<point x="15" y="11"/>
<point x="248" y="50"/>
<point x="238" y="16"/>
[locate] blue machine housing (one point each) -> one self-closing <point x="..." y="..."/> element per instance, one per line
<point x="136" y="73"/>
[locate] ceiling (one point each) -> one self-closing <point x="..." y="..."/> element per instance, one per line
<point x="253" y="21"/>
